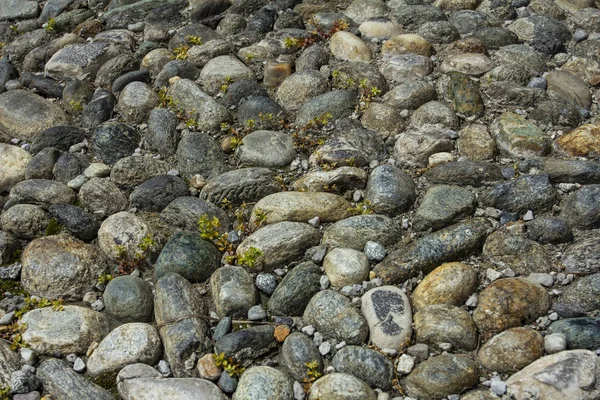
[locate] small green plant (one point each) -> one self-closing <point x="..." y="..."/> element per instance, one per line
<point x="250" y="124"/>
<point x="34" y="302"/>
<point x="4" y="393"/>
<point x="126" y="263"/>
<point x="313" y="374"/>
<point x="51" y="25"/>
<point x="362" y="207"/>
<point x="164" y="100"/>
<point x="104" y="279"/>
<point x="291" y="43"/>
<point x="76" y="105"/>
<point x="53" y="227"/>
<point x="228" y="365"/>
<point x="13" y="333"/>
<point x="228" y="80"/>
<point x="209" y="228"/>
<point x="260" y="217"/>
<point x="250" y="56"/>
<point x="14" y="28"/>
<point x="250" y="258"/>
<point x="195" y="40"/>
<point x="367" y="94"/>
<point x="180" y="52"/>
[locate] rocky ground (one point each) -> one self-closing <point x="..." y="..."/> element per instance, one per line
<point x="359" y="200"/>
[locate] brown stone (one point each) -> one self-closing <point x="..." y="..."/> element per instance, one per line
<point x="511" y="350"/>
<point x="281" y="332"/>
<point x="583" y="141"/>
<point x="207" y="368"/>
<point x="450" y="283"/>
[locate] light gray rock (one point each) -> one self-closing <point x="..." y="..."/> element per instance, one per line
<point x="346" y="267"/>
<point x="25" y="221"/>
<point x="355" y="232"/>
<point x="339" y="385"/>
<point x="299" y="87"/>
<point x="413" y="148"/>
<point x="14" y="162"/>
<point x="9" y="363"/>
<point x="71" y="330"/>
<point x="101" y="195"/>
<point x="126" y="344"/>
<point x="241" y="185"/>
<point x="405" y="67"/>
<point x="19" y="10"/>
<point x="264" y="383"/>
<point x="388" y="313"/>
<point x="444" y="323"/>
<point x="390" y="190"/>
<point x="136" y="101"/>
<point x="443" y="205"/>
<point x="366" y="364"/>
<point x="269" y="149"/>
<point x="298" y="350"/>
<point x="42" y="192"/>
<point x="121" y="234"/>
<point x="59" y="378"/>
<point x="233" y="291"/>
<point x="198" y="153"/>
<point x="79" y="60"/>
<point x="214" y="72"/>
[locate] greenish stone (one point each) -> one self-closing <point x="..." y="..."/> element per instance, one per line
<point x="464" y="95"/>
<point x="518" y="137"/>
<point x="581" y="333"/>
<point x="188" y="255"/>
<point x="366" y="364"/>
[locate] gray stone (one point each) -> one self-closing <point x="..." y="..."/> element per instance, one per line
<point x="444" y="323"/>
<point x="42" y="164"/>
<point x="579" y="297"/>
<point x="176" y="307"/>
<point x="79" y="60"/>
<point x="341" y="179"/>
<point x="550" y="230"/>
<point x="410" y="95"/>
<point x="233" y="291"/>
<point x="405" y="67"/>
<point x="188" y="255"/>
<point x="42" y="192"/>
<point x="59" y="378"/>
<point x="214" y="72"/>
<point x="134" y="382"/>
<point x="297" y="351"/>
<point x="301" y="207"/>
<point x="582" y="208"/>
<point x="100" y="194"/>
<point x="266" y="283"/>
<point x="569" y="87"/>
<point x="267" y="149"/>
<point x="390" y="190"/>
<point x="414" y="148"/>
<point x="136" y="101"/>
<point x="71" y="330"/>
<point x="425" y="254"/>
<point x="523" y="55"/>
<point x="114" y="68"/>
<point x="60" y="266"/>
<point x="413" y="16"/>
<point x="442" y="375"/>
<point x="129" y="172"/>
<point x="162" y="134"/>
<point x="518" y="137"/>
<point x="19" y="10"/>
<point x="522" y="255"/>
<point x="112" y="141"/>
<point x="9" y="363"/>
<point x="15" y="161"/>
<point x="184" y="213"/>
<point x="580" y="333"/>
<point x="581" y="257"/>
<point x="25" y="381"/>
<point x="59" y="137"/>
<point x="299" y="87"/>
<point x="8" y="245"/>
<point x="355" y="232"/>
<point x="474" y="173"/>
<point x="336" y="385"/>
<point x="295" y="290"/>
<point x="529" y="192"/>
<point x="337" y="103"/>
<point x="198" y="153"/>
<point x="365" y="364"/>
<point x="450" y="283"/>
<point x="241" y="185"/>
<point x="264" y="383"/>
<point x="98" y="110"/>
<point x="443" y="205"/>
<point x="129" y="299"/>
<point x="346" y="267"/>
<point x="157" y="192"/>
<point x="25" y="221"/>
<point x="333" y="315"/>
<point x="126" y="344"/>
<point x="247" y="344"/>
<point x="389" y="316"/>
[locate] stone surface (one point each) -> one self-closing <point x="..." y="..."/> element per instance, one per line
<point x="295" y="290"/>
<point x="264" y="383"/>
<point x="345" y="267"/>
<point x="129" y="299"/>
<point x="233" y="291"/>
<point x="450" y="283"/>
<point x="388" y="313"/>
<point x="522" y="255"/>
<point x="58" y="376"/>
<point x="517" y="137"/>
<point x="443" y="205"/>
<point x="355" y="232"/>
<point x="444" y="323"/>
<point x="296" y="352"/>
<point x="390" y="190"/>
<point x="581" y="142"/>
<point x="511" y="350"/>
<point x="14" y="161"/>
<point x="301" y="206"/>
<point x="581" y="208"/>
<point x="580" y="333"/>
<point x="340" y="385"/>
<point x="267" y="149"/>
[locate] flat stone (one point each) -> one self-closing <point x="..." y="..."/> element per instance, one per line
<point x="569" y="87"/>
<point x="233" y="291"/>
<point x="71" y="330"/>
<point x="337" y="103"/>
<point x="450" y="283"/>
<point x="580" y="257"/>
<point x="388" y="313"/>
<point x="582" y="208"/>
<point x="184" y="213"/>
<point x="583" y="141"/>
<point x="518" y="137"/>
<point x="568" y="374"/>
<point x="580" y="333"/>
<point x="59" y="377"/>
<point x="443" y="205"/>
<point x="516" y="252"/>
<point x="511" y="350"/>
<point x="366" y="364"/>
<point x="337" y="384"/>
<point x="295" y="290"/>
<point x="343" y="178"/>
<point x="551" y="230"/>
<point x="302" y="206"/>
<point x="19" y="10"/>
<point x="474" y="64"/>
<point x="245" y="345"/>
<point x="280" y="243"/>
<point x="510" y="302"/>
<point x="474" y="173"/>
<point x="267" y="149"/>
<point x="444" y="323"/>
<point x="355" y="232"/>
<point x="79" y="60"/>
<point x="405" y="67"/>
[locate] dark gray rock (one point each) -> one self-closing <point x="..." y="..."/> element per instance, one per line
<point x="25" y="380"/>
<point x="337" y="103"/>
<point x="162" y="134"/>
<point x="188" y="255"/>
<point x="390" y="190"/>
<point x="549" y="230"/>
<point x="582" y="208"/>
<point x="176" y="304"/>
<point x="8" y="245"/>
<point x="468" y="21"/>
<point x="157" y="192"/>
<point x="41" y="165"/>
<point x="98" y="110"/>
<point x="355" y="232"/>
<point x="443" y="205"/>
<point x="263" y="20"/>
<point x="295" y="290"/>
<point x="198" y="153"/>
<point x="72" y="218"/>
<point x="7" y="72"/>
<point x="252" y="109"/>
<point x="582" y="257"/>
<point x="557" y="112"/>
<point x="579" y="297"/>
<point x="112" y="141"/>
<point x="142" y="75"/>
<point x="59" y="137"/>
<point x="366" y="364"/>
<point x="184" y="213"/>
<point x="240" y="90"/>
<point x="101" y="195"/>
<point x="410" y="95"/>
<point x="59" y="378"/>
<point x="448" y="244"/>
<point x="76" y="92"/>
<point x="209" y="8"/>
<point x="413" y="16"/>
<point x="45" y="87"/>
<point x="313" y="58"/>
<point x="121" y="17"/>
<point x="296" y="352"/>
<point x="180" y="68"/>
<point x="129" y="299"/>
<point x="129" y="172"/>
<point x="496" y="37"/>
<point x="549" y="35"/>
<point x="69" y="166"/>
<point x="241" y="185"/>
<point x="529" y="192"/>
<point x="248" y="344"/>
<point x="233" y="291"/>
<point x="113" y="68"/>
<point x="42" y="192"/>
<point x="581" y="333"/>
<point x="439" y="32"/>
<point x="474" y="173"/>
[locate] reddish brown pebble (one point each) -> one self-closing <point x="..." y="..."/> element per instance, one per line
<point x="281" y="332"/>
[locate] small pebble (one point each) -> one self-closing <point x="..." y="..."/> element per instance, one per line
<point x="528" y="216"/>
<point x="315" y="222"/>
<point x="498" y="387"/>
<point x="79" y="365"/>
<point x="163" y="368"/>
<point x="227" y="383"/>
<point x="257" y="313"/>
<point x="98" y="305"/>
<point x="492" y="274"/>
<point x="324" y="348"/>
<point x="298" y="391"/>
<point x="405" y="365"/>
<point x="308" y="330"/>
<point x="537" y="82"/>
<point x="555" y="343"/>
<point x="324" y="281"/>
<point x="71" y="358"/>
<point x="374" y="251"/>
<point x="318" y="338"/>
<point x="580" y="35"/>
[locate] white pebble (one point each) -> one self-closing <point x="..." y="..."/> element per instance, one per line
<point x="308" y="330"/>
<point x="492" y="274"/>
<point x="325" y="348"/>
<point x="340" y="345"/>
<point x="298" y="391"/>
<point x="163" y="368"/>
<point x="405" y="365"/>
<point x="79" y="365"/>
<point x="498" y="387"/>
<point x="318" y="338"/>
<point x="555" y="343"/>
<point x="315" y="222"/>
<point x="472" y="301"/>
<point x="324" y="281"/>
<point x="528" y="216"/>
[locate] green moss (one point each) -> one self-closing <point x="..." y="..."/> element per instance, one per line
<point x="13" y="287"/>
<point x="53" y="227"/>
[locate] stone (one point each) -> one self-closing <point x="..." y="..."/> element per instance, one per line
<point x="569" y="87"/>
<point x="519" y="138"/>
<point x="355" y="232"/>
<point x="434" y="114"/>
<point x="262" y="383"/>
<point x="198" y="153"/>
<point x="101" y="195"/>
<point x="129" y="299"/>
<point x="441" y="376"/>
<point x="474" y="173"/>
<point x="580" y="333"/>
<point x="208" y="369"/>
<point x="580" y="257"/>
<point x="301" y="206"/>
<point x="127" y="344"/>
<point x="157" y="192"/>
<point x="129" y="172"/>
<point x="184" y="213"/>
<point x="511" y="350"/>
<point x="15" y="161"/>
<point x="188" y="255"/>
<point x="121" y="234"/>
<point x="450" y="283"/>
<point x="444" y="323"/>
<point x="346" y="266"/>
<point x="389" y="316"/>
<point x="336" y="385"/>
<point x="549" y="230"/>
<point x="473" y="64"/>
<point x="25" y="221"/>
<point x="390" y="190"/>
<point x="299" y="87"/>
<point x="42" y="192"/>
<point x="583" y="141"/>
<point x="112" y="141"/>
<point x="71" y="330"/>
<point x="297" y="351"/>
<point x="432" y="250"/>
<point x="162" y="134"/>
<point x="335" y="104"/>
<point x="368" y="365"/>
<point x="136" y="101"/>
<point x="349" y="47"/>
<point x="60" y="266"/>
<point x="79" y="60"/>
<point x="443" y="205"/>
<point x="267" y="149"/>
<point x="555" y="343"/>
<point x="410" y="95"/>
<point x="58" y="376"/>
<point x="233" y="291"/>
<point x="343" y="178"/>
<point x="176" y="307"/>
<point x="24" y="114"/>
<point x="333" y="315"/>
<point x="98" y="110"/>
<point x="383" y="119"/>
<point x="465" y="98"/>
<point x="405" y="67"/>
<point x="245" y="345"/>
<point x="545" y="378"/>
<point x="380" y="28"/>
<point x="413" y="148"/>
<point x="295" y="290"/>
<point x="542" y="32"/>
<point x="438" y="32"/>
<point x="579" y="297"/>
<point x="9" y="364"/>
<point x="581" y="208"/>
<point x="522" y="255"/>
<point x="214" y="72"/>
<point x="407" y="43"/>
<point x="510" y="302"/>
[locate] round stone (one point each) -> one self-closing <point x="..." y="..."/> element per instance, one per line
<point x="14" y="162"/>
<point x="129" y="299"/>
<point x="349" y="47"/>
<point x="451" y="283"/>
<point x="443" y="323"/>
<point x="121" y="234"/>
<point x="339" y="385"/>
<point x="346" y="267"/>
<point x="264" y="383"/>
<point x="511" y="350"/>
